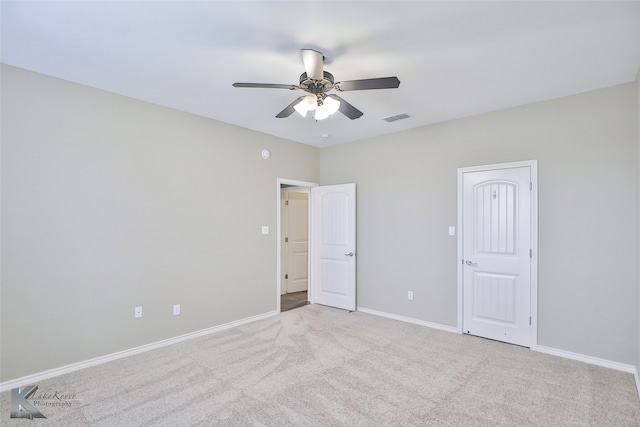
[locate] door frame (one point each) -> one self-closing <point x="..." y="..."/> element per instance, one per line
<point x="302" y="184"/>
<point x="533" y="165"/>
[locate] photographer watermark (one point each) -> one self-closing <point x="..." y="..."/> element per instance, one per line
<point x="26" y="403"/>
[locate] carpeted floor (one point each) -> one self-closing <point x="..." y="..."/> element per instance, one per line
<point x="318" y="366"/>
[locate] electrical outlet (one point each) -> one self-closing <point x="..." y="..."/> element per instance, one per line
<point x="137" y="312"/>
<point x="176" y="309"/>
<point x="410" y="295"/>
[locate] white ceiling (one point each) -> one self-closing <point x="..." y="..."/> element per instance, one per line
<point x="454" y="59"/>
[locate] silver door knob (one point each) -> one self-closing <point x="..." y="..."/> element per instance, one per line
<point x="471" y="264"/>
<point x="349" y="254"/>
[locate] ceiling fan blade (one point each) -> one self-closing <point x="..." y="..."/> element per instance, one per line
<point x="313" y="62"/>
<point x="289" y="109"/>
<point x="346" y="108"/>
<point x="364" y="84"/>
<point x="266" y="86"/>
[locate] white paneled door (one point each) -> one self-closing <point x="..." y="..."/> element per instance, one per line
<point x="496" y="254"/>
<point x="334" y="245"/>
<point x="296" y="240"/>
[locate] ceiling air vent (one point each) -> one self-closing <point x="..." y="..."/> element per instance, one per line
<point x="396" y="118"/>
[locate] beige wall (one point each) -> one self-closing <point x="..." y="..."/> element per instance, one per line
<point x="586" y="149"/>
<point x="109" y="203"/>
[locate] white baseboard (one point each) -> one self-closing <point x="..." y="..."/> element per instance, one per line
<point x="409" y="320"/>
<point x="589" y="359"/>
<point x="40" y="376"/>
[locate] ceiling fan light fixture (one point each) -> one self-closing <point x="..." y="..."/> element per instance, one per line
<point x="301" y="108"/>
<point x="332" y="105"/>
<point x="321" y="113"/>
<point x="310" y="101"/>
<point x="307" y="103"/>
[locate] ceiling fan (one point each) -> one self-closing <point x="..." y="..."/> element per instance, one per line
<point x="317" y="83"/>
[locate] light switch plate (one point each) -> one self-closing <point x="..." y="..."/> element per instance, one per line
<point x="452" y="230"/>
<point x="265" y="229"/>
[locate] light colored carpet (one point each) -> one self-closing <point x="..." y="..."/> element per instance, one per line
<point x="318" y="366"/>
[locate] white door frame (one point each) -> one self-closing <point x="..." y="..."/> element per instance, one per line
<point x="533" y="165"/>
<point x="303" y="184"/>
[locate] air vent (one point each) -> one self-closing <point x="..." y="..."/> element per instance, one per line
<point x="396" y="118"/>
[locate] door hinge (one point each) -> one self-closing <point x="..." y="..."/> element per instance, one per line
<point x="286" y="276"/>
<point x="531" y="186"/>
<point x="286" y="203"/>
<point x="530" y="253"/>
<point x="529" y="320"/>
<point x="286" y="240"/>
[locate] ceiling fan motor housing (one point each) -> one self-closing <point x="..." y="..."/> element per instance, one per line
<point x="317" y="86"/>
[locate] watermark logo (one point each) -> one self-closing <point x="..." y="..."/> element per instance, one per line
<point x="21" y="407"/>
<point x="26" y="403"/>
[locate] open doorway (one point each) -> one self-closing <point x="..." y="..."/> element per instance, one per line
<point x="293" y="243"/>
<point x="331" y="243"/>
<point x="294" y="217"/>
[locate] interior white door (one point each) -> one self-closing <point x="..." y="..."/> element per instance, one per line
<point x="496" y="215"/>
<point x="297" y="241"/>
<point x="334" y="245"/>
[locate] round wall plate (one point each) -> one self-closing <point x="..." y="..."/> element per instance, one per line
<point x="266" y="154"/>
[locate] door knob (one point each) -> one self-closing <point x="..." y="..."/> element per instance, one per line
<point x="349" y="254"/>
<point x="471" y="264"/>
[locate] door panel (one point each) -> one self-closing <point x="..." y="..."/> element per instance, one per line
<point x="494" y="296"/>
<point x="297" y="245"/>
<point x="334" y="245"/>
<point x="495" y="226"/>
<point x="496" y="254"/>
